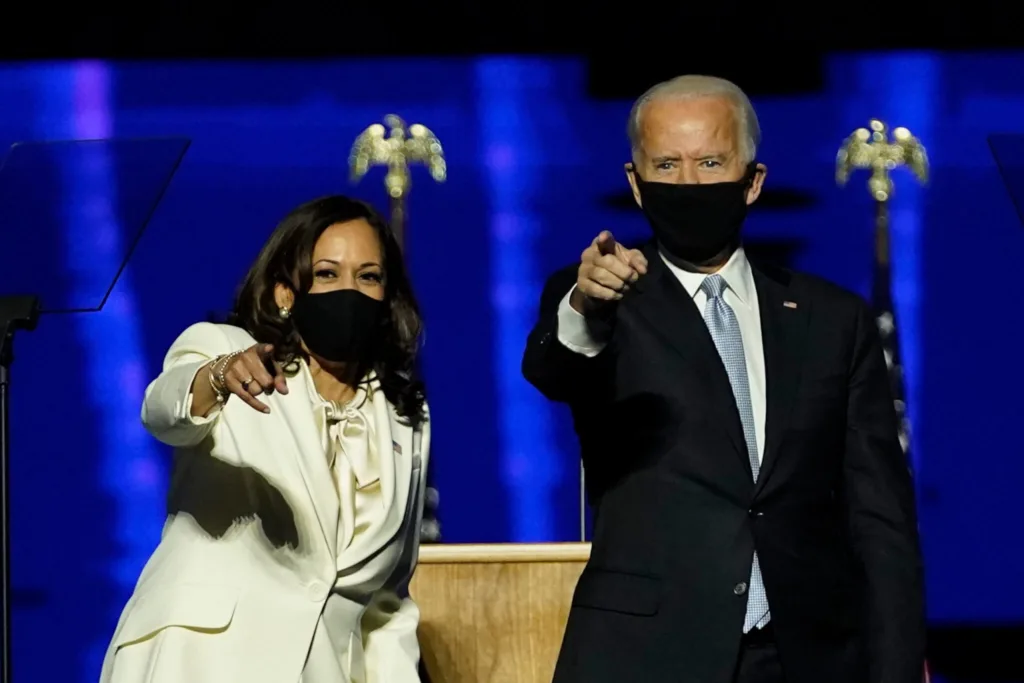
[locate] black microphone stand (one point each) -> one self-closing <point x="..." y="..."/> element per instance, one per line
<point x="16" y="313"/>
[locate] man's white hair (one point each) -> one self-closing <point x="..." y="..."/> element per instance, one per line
<point x="690" y="87"/>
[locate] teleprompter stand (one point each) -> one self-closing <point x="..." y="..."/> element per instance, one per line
<point x="16" y="313"/>
<point x="72" y="213"/>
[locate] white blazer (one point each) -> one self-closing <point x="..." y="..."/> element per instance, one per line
<point x="219" y="602"/>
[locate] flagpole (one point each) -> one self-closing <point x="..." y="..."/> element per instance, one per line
<point x="882" y="236"/>
<point x="395" y="147"/>
<point x="871" y="149"/>
<point x="401" y="146"/>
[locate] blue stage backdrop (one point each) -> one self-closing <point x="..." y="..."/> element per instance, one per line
<point x="531" y="163"/>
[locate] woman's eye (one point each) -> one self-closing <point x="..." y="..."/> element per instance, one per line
<point x="373" y="277"/>
<point x="325" y="273"/>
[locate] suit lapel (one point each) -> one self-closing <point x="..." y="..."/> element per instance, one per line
<point x="297" y="415"/>
<point x="671" y="313"/>
<point x="784" y="319"/>
<point x="394" y="454"/>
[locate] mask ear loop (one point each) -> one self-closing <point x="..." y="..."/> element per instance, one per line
<point x="636" y="174"/>
<point x="752" y="171"/>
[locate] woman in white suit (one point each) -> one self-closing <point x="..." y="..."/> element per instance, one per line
<point x="301" y="441"/>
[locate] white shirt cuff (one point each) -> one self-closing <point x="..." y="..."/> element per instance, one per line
<point x="573" y="331"/>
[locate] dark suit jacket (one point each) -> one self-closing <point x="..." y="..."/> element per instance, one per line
<point x="677" y="513"/>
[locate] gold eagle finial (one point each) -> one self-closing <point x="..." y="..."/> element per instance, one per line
<point x="404" y="145"/>
<point x="872" y="149"/>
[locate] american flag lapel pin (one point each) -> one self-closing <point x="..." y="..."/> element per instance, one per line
<point x="789" y="304"/>
<point x="398" y="447"/>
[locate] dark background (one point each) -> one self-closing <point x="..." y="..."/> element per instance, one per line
<point x="708" y="35"/>
<point x="530" y="103"/>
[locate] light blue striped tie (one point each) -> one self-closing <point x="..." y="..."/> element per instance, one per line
<point x="725" y="331"/>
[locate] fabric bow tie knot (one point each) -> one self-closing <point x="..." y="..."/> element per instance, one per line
<point x="338" y="413"/>
<point x="349" y="429"/>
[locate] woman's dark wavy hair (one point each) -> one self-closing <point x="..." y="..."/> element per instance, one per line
<point x="287" y="257"/>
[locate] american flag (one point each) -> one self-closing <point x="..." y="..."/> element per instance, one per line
<point x="885" y="318"/>
<point x="430" y="526"/>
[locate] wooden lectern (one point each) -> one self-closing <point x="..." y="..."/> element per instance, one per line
<point x="495" y="613"/>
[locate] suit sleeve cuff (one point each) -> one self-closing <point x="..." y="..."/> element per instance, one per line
<point x="184" y="408"/>
<point x="575" y="333"/>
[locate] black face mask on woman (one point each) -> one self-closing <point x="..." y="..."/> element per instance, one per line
<point x="340" y="326"/>
<point x="695" y="222"/>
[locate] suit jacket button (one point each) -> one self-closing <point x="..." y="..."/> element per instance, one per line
<point x="317" y="591"/>
<point x="740" y="588"/>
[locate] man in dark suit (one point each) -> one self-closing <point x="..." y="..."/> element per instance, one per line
<point x="755" y="517"/>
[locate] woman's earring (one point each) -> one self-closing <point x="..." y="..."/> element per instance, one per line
<point x="285" y="312"/>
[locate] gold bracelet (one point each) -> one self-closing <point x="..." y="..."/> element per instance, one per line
<point x="217" y="381"/>
<point x="218" y="393"/>
<point x="224" y="367"/>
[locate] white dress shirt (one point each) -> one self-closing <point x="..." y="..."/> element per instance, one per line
<point x="741" y="295"/>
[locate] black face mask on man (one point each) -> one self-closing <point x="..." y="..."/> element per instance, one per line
<point x="340" y="326"/>
<point x="695" y="222"/>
